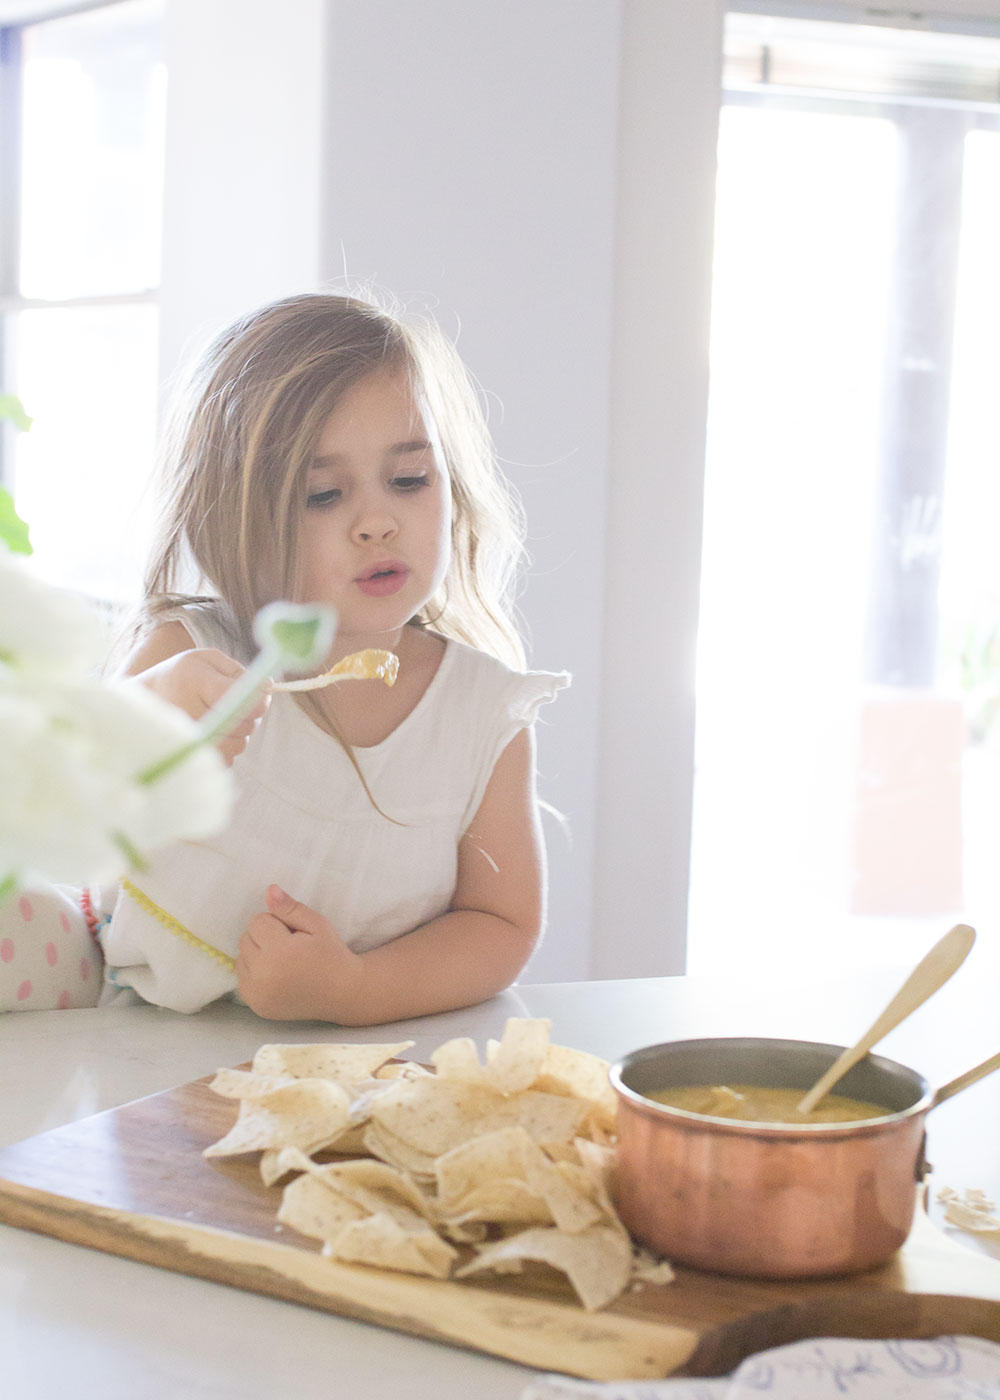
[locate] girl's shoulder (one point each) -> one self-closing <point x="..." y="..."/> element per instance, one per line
<point x="165" y="639"/>
<point x="209" y="622"/>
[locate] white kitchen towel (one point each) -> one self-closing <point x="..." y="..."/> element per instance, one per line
<point x="825" y="1368"/>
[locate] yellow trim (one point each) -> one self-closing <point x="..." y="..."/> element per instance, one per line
<point x="169" y="922"/>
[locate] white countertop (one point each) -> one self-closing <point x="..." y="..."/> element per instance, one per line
<point x="75" y="1321"/>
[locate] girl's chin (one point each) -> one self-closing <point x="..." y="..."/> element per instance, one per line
<point x="372" y="621"/>
<point x="353" y="635"/>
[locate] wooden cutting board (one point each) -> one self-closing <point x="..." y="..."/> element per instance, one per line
<point x="132" y="1181"/>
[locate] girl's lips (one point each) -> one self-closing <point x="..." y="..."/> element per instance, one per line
<point x="383" y="579"/>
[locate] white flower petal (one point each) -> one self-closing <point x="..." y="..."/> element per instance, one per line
<point x="44" y="630"/>
<point x="69" y="767"/>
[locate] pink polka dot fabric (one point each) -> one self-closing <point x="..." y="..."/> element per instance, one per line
<point x="48" y="958"/>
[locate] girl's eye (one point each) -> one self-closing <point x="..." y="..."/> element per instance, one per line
<point x="409" y="483"/>
<point x="318" y="499"/>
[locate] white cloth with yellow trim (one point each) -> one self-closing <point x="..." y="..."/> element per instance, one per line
<point x="302" y="820"/>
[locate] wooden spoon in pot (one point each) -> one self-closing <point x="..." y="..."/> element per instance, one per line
<point x="933" y="970"/>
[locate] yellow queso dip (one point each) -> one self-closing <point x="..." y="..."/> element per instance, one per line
<point x="753" y="1103"/>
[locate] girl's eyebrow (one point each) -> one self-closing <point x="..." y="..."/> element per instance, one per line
<point x="398" y="449"/>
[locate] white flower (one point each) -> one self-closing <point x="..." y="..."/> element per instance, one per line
<point x="96" y="775"/>
<point x="44" y="630"/>
<point x="73" y="806"/>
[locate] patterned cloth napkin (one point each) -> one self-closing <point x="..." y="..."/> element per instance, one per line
<point x="827" y="1368"/>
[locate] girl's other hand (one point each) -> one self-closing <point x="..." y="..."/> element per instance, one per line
<point x="291" y="961"/>
<point x="195" y="680"/>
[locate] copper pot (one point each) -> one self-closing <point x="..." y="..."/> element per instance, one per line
<point x="767" y="1200"/>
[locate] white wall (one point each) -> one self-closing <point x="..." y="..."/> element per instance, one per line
<point x="243" y="178"/>
<point x="668" y="123"/>
<point x="487" y="159"/>
<point x="470" y="168"/>
<point x="539" y="173"/>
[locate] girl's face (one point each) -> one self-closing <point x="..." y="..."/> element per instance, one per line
<point x="376" y="530"/>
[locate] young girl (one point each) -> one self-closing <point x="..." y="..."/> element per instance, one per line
<point x="384" y="859"/>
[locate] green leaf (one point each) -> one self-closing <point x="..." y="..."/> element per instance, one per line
<point x="300" y="633"/>
<point x="134" y="857"/>
<point x="296" y="639"/>
<point x="13" y="530"/>
<point x="12" y="409"/>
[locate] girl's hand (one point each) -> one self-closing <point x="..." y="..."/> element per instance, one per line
<point x="194" y="680"/>
<point x="292" y="965"/>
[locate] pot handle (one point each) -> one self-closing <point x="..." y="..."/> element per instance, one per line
<point x="963" y="1081"/>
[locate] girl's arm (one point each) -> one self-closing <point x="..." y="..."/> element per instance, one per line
<point x="293" y="965"/>
<point x="168" y="663"/>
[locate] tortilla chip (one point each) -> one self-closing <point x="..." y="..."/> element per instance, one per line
<point x="459" y="1059"/>
<point x="648" y="1270"/>
<point x="403" y="1069"/>
<point x="582" y="1076"/>
<point x="311" y="1208"/>
<point x="511" y="1156"/>
<point x="383" y="1242"/>
<point x="582" y="1182"/>
<point x="307" y="1113"/>
<point x="598" y="1163"/>
<point x="972" y="1218"/>
<point x="484" y="1180"/>
<point x="514" y="1062"/>
<point x="344" y="1064"/>
<point x="435" y="1115"/>
<point x="372" y="1186"/>
<point x="270" y="1165"/>
<point x="246" y="1084"/>
<point x="570" y="1199"/>
<point x="597" y="1261"/>
<point x="388" y="1148"/>
<point x="503" y="1202"/>
<point x="350" y="1143"/>
<point x="464" y="1232"/>
<point x="547" y="1118"/>
<point x="505" y="1176"/>
<point x="365" y="1213"/>
<point x="486" y="1158"/>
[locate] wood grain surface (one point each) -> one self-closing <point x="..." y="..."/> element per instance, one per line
<point x="133" y="1181"/>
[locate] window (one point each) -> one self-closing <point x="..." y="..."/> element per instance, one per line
<point x="84" y="100"/>
<point x="847" y="788"/>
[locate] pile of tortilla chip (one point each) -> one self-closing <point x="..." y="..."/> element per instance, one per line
<point x="444" y="1172"/>
<point x="972" y="1210"/>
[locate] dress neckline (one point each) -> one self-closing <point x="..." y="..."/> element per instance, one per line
<point x="436" y="681"/>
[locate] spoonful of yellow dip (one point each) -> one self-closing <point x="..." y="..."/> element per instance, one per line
<point x="367" y="665"/>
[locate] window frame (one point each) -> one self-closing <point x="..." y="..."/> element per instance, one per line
<point x="901" y="649"/>
<point x="12" y="300"/>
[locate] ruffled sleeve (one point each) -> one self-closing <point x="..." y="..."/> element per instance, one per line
<point x="522" y="696"/>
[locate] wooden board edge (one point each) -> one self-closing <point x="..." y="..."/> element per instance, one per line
<point x="866" y="1314"/>
<point x="539" y="1333"/>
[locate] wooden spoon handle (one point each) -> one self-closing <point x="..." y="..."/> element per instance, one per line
<point x="933" y="970"/>
<point x="964" y="1080"/>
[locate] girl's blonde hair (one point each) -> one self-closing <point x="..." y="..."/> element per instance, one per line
<point x="241" y="442"/>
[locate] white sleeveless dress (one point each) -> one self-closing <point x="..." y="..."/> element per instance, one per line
<point x="302" y="820"/>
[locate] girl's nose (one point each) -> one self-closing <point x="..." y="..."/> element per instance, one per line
<point x="374" y="524"/>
